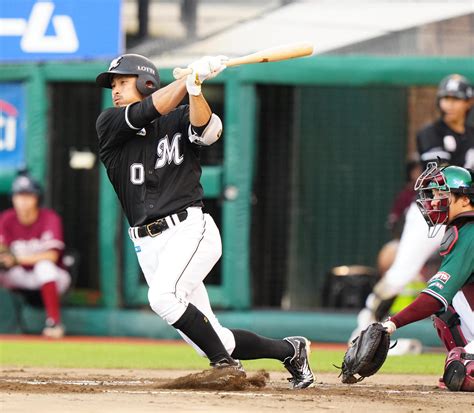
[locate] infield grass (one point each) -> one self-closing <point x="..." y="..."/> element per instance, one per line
<point x="177" y="356"/>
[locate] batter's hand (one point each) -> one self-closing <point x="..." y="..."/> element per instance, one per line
<point x="204" y="68"/>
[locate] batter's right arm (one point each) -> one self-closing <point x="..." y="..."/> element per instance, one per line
<point x="169" y="97"/>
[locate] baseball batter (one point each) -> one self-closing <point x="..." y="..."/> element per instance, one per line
<point x="446" y="195"/>
<point x="451" y="140"/>
<point x="150" y="147"/>
<point x="32" y="238"/>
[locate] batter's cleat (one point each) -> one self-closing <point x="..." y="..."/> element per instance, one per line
<point x="228" y="362"/>
<point x="53" y="330"/>
<point x="298" y="365"/>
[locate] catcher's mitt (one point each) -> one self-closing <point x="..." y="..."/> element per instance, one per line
<point x="366" y="354"/>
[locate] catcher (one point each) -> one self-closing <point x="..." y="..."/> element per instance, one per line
<point x="445" y="196"/>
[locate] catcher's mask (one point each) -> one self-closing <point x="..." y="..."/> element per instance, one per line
<point x="434" y="187"/>
<point x="148" y="78"/>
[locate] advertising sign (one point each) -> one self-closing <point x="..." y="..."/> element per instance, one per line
<point x="32" y="30"/>
<point x="12" y="125"/>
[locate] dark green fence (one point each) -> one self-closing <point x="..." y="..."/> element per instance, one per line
<point x="320" y="197"/>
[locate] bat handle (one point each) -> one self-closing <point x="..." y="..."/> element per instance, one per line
<point x="179" y="73"/>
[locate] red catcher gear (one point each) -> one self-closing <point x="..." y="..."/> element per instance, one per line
<point x="449" y="330"/>
<point x="459" y="370"/>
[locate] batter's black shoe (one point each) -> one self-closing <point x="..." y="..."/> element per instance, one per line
<point x="298" y="364"/>
<point x="228" y="362"/>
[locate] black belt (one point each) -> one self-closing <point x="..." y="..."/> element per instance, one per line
<point x="157" y="227"/>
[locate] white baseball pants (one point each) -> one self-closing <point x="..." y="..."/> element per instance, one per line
<point x="175" y="264"/>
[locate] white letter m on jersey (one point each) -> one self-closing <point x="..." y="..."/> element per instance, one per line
<point x="168" y="153"/>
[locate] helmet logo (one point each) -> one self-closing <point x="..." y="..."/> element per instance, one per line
<point x="115" y="63"/>
<point x="453" y="84"/>
<point x="146" y="69"/>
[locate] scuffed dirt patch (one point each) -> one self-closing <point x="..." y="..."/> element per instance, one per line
<point x="226" y="379"/>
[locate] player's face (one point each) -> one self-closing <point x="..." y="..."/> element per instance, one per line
<point x="454" y="110"/>
<point x="24" y="203"/>
<point x="457" y="206"/>
<point x="124" y="90"/>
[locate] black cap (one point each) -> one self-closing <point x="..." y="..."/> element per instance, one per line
<point x="25" y="184"/>
<point x="456" y="86"/>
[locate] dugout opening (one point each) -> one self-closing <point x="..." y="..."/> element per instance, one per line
<point x="73" y="175"/>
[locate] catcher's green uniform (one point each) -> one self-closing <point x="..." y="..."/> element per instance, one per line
<point x="453" y="284"/>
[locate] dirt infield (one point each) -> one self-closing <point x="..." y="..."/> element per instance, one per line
<point x="88" y="391"/>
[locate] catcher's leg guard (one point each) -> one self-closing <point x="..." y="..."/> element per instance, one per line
<point x="449" y="330"/>
<point x="459" y="370"/>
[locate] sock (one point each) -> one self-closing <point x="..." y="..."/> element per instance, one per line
<point x="197" y="327"/>
<point x="50" y="296"/>
<point x="250" y="346"/>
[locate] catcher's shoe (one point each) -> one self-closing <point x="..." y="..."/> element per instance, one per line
<point x="298" y="364"/>
<point x="53" y="330"/>
<point x="228" y="362"/>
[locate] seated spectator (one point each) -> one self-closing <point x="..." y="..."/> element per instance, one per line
<point x="31" y="240"/>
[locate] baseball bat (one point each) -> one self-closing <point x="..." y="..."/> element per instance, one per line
<point x="272" y="54"/>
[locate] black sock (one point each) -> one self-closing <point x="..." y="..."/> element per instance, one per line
<point x="250" y="346"/>
<point x="197" y="327"/>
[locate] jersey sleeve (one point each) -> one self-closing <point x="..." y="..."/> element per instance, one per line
<point x="52" y="236"/>
<point x="456" y="269"/>
<point x="115" y="126"/>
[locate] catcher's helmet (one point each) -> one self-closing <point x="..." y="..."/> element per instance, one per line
<point x="448" y="179"/>
<point x="25" y="184"/>
<point x="456" y="86"/>
<point x="132" y="64"/>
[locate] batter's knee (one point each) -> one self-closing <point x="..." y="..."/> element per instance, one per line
<point x="167" y="305"/>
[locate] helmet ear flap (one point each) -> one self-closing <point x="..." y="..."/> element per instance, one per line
<point x="146" y="85"/>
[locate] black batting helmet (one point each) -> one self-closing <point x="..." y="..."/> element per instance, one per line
<point x="456" y="86"/>
<point x="132" y="64"/>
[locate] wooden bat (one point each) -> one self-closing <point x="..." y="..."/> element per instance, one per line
<point x="272" y="54"/>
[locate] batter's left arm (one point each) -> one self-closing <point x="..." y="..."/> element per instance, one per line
<point x="199" y="111"/>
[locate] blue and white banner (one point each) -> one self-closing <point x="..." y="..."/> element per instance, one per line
<point x="32" y="30"/>
<point x="12" y="125"/>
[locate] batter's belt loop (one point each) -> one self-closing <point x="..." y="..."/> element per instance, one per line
<point x="155" y="228"/>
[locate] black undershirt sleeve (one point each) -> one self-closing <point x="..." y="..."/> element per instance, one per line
<point x="142" y="113"/>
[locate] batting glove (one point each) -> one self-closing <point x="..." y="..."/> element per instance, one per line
<point x="389" y="326"/>
<point x="204" y="68"/>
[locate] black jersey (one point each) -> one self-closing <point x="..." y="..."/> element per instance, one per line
<point x="150" y="160"/>
<point x="439" y="140"/>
